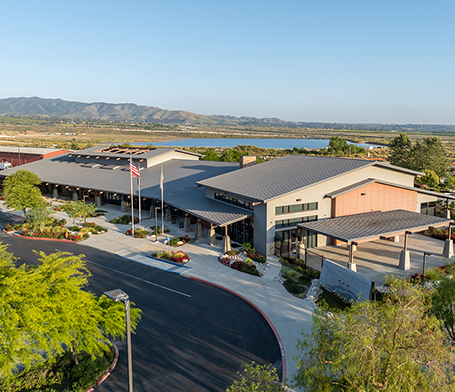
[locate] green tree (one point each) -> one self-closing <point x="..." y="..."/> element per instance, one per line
<point x="450" y="182"/>
<point x="400" y="151"/>
<point x="78" y="210"/>
<point x="39" y="215"/>
<point x="443" y="302"/>
<point x="395" y="345"/>
<point x="44" y="311"/>
<point x="231" y="155"/>
<point x="430" y="154"/>
<point x="338" y="146"/>
<point x="257" y="378"/>
<point x="211" y="155"/>
<point x="20" y="191"/>
<point x="430" y="179"/>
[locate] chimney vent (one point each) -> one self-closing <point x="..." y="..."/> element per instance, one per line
<point x="247" y="160"/>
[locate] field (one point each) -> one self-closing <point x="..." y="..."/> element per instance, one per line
<point x="81" y="133"/>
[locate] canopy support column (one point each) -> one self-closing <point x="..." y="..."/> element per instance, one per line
<point x="405" y="258"/>
<point x="352" y="248"/>
<point x="448" y="243"/>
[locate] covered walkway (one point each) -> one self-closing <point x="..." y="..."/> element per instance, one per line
<point x="373" y="226"/>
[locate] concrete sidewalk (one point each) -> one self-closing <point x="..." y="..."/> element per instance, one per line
<point x="288" y="314"/>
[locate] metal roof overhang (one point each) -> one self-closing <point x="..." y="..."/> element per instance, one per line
<point x="374" y="225"/>
<point x="194" y="202"/>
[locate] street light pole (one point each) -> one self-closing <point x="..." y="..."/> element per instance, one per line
<point x="120" y="295"/>
<point x="156" y="224"/>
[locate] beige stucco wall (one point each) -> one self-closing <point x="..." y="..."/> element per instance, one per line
<point x="317" y="192"/>
<point x="374" y="197"/>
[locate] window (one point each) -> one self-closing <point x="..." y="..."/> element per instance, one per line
<point x="296" y="208"/>
<point x="294" y="222"/>
<point x="235" y="202"/>
<point x="428" y="208"/>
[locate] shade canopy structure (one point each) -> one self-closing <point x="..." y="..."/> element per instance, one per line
<point x="374" y="225"/>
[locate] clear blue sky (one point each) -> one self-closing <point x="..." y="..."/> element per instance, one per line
<point x="304" y="60"/>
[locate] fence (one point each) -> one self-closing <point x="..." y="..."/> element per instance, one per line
<point x="314" y="260"/>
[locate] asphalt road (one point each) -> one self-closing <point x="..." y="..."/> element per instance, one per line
<point x="192" y="336"/>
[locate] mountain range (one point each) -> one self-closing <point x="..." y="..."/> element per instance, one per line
<point x="42" y="107"/>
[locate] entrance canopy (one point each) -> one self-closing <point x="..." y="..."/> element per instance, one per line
<point x="374" y="225"/>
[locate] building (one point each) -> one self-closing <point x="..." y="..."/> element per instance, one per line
<point x="22" y="155"/>
<point x="274" y="205"/>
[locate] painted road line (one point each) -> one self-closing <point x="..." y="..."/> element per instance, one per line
<point x="135" y="277"/>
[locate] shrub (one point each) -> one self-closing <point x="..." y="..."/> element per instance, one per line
<point x="260" y="259"/>
<point x="86" y="235"/>
<point x="88" y="224"/>
<point x="8" y="227"/>
<point x="47" y="229"/>
<point x="292" y="274"/>
<point x="75" y="228"/>
<point x="292" y="286"/>
<point x="175" y="241"/>
<point x="179" y="257"/>
<point x="138" y="233"/>
<point x="434" y="274"/>
<point x="16" y="226"/>
<point x="62" y="222"/>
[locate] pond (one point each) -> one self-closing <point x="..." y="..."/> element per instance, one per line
<point x="333" y="301"/>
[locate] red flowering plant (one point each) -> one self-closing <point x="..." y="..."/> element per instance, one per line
<point x="138" y="233"/>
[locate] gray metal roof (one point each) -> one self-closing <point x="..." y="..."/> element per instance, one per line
<point x="278" y="177"/>
<point x="101" y="150"/>
<point x="178" y="175"/>
<point x="193" y="201"/>
<point x="373" y="224"/>
<point x="369" y="181"/>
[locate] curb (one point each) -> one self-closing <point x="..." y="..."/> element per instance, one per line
<point x="277" y="336"/>
<point x="45" y="239"/>
<point x="108" y="372"/>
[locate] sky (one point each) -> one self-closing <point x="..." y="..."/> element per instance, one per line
<point x="303" y="60"/>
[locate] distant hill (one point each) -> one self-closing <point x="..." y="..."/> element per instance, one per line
<point x="35" y="106"/>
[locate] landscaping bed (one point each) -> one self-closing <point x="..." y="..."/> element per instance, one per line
<point x="138" y="233"/>
<point x="246" y="260"/>
<point x="124" y="220"/>
<point x="296" y="277"/>
<point x="179" y="241"/>
<point x="55" y="229"/>
<point x="175" y="257"/>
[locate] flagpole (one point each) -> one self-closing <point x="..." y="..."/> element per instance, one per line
<point x="139" y="190"/>
<point x="132" y="204"/>
<point x="162" y="203"/>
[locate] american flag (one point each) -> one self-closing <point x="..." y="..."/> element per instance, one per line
<point x="133" y="169"/>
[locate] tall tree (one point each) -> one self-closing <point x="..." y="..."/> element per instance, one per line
<point x="443" y="302"/>
<point x="430" y="154"/>
<point x="400" y="151"/>
<point x="78" y="210"/>
<point x="20" y="191"/>
<point x="338" y="146"/>
<point x="39" y="215"/>
<point x="44" y="309"/>
<point x="395" y="345"/>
